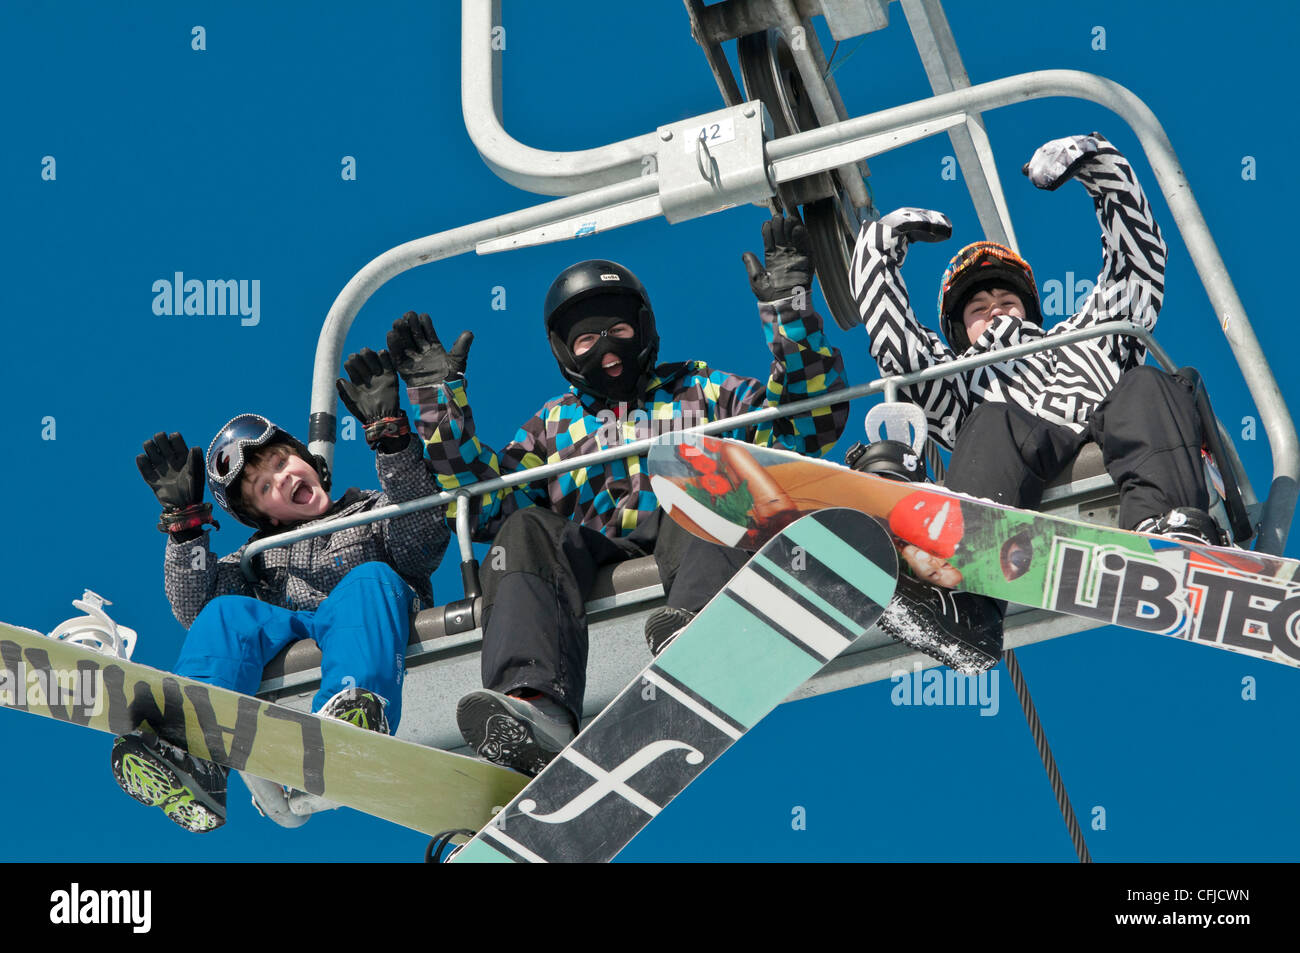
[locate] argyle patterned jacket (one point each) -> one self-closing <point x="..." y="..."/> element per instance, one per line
<point x="614" y="497"/>
<point x="1064" y="385"/>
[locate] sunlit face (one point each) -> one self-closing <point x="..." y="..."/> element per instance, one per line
<point x="983" y="306"/>
<point x="611" y="364"/>
<point x="284" y="488"/>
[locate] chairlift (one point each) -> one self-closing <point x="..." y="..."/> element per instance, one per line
<point x="789" y="142"/>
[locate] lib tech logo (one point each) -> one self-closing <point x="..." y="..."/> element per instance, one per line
<point x="1208" y="604"/>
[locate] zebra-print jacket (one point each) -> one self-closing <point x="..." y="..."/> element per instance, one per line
<point x="1062" y="385"/>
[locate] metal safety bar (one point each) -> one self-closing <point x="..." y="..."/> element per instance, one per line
<point x="827" y="147"/>
<point x="888" y="385"/>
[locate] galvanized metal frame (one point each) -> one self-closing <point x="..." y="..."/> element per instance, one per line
<point x="970" y="143"/>
<point x="563" y="173"/>
<point x="824" y="148"/>
<point x="616" y="191"/>
<point x="824" y="97"/>
<point x="535" y="170"/>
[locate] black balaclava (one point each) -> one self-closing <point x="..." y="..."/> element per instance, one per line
<point x="596" y="315"/>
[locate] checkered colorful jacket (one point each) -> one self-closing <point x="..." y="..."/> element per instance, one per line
<point x="614" y="497"/>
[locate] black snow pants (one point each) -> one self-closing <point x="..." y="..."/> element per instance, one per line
<point x="1147" y="427"/>
<point x="536" y="580"/>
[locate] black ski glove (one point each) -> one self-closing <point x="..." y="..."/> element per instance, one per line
<point x="420" y="357"/>
<point x="373" y="398"/>
<point x="174" y="472"/>
<point x="788" y="264"/>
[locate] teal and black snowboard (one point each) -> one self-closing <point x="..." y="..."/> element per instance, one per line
<point x="808" y="594"/>
<point x="737" y="494"/>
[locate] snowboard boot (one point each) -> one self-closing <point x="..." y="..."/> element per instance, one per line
<point x="357" y="707"/>
<point x="961" y="629"/>
<point x="1185" y="524"/>
<point x="520" y="733"/>
<point x="664" y="625"/>
<point x="190" y="791"/>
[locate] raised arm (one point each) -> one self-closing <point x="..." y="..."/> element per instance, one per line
<point x="804" y="364"/>
<point x="192" y="574"/>
<point x="899" y="343"/>
<point x="415" y="542"/>
<point x="1131" y="285"/>
<point x="438" y="390"/>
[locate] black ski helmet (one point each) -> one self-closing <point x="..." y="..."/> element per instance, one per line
<point x="226" y="457"/>
<point x="598" y="276"/>
<point x="982" y="263"/>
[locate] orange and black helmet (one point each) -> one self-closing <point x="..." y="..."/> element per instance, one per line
<point x="982" y="265"/>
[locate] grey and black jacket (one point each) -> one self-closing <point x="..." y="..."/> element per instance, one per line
<point x="301" y="575"/>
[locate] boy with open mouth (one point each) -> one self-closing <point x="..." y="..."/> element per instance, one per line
<point x="354" y="590"/>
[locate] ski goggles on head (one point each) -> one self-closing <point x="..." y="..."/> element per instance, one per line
<point x="225" y="460"/>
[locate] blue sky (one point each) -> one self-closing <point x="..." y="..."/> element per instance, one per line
<point x="225" y="163"/>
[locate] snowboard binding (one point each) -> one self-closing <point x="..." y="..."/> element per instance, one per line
<point x="896" y="434"/>
<point x="95" y="630"/>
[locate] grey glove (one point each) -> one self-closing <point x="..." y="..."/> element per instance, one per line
<point x="788" y="264"/>
<point x="1055" y="162"/>
<point x="919" y="224"/>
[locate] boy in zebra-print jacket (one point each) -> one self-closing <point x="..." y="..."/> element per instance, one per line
<point x="1014" y="425"/>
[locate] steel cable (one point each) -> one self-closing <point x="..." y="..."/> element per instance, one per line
<point x="1045" y="752"/>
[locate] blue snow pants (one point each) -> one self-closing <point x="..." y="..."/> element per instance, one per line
<point x="362" y="629"/>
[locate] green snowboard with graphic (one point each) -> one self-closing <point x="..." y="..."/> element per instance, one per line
<point x="1228" y="598"/>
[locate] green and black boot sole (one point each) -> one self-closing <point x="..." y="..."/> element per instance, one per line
<point x="189" y="790"/>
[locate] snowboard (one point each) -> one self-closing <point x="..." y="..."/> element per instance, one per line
<point x="740" y="495"/>
<point x="803" y="598"/>
<point x="421" y="788"/>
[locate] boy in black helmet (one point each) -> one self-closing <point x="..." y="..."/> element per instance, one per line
<point x="353" y="590"/>
<point x="555" y="533"/>
<point x="1014" y="425"/>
